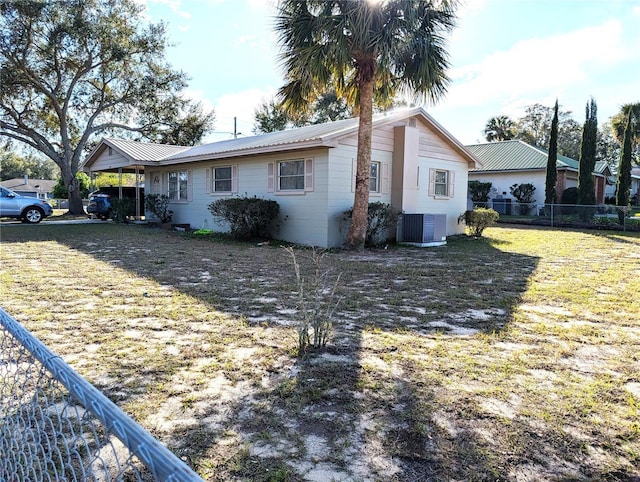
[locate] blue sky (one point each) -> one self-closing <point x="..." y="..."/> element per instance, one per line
<point x="504" y="54"/>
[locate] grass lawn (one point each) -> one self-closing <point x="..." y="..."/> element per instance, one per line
<point x="514" y="357"/>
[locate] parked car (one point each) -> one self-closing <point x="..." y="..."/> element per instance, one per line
<point x="27" y="209"/>
<point x="100" y="204"/>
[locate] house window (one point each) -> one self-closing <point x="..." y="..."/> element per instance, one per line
<point x="441" y="183"/>
<point x="374" y="180"/>
<point x="291" y="175"/>
<point x="178" y="183"/>
<point x="222" y="179"/>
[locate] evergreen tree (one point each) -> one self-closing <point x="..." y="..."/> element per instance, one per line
<point x="586" y="187"/>
<point x="552" y="173"/>
<point x="623" y="185"/>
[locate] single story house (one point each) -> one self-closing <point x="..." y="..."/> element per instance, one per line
<point x="634" y="190"/>
<point x="506" y="163"/>
<point x="417" y="166"/>
<point x="38" y="188"/>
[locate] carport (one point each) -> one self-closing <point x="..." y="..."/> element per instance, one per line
<point x="127" y="157"/>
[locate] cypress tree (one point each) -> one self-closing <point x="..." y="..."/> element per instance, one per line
<point x="586" y="187"/>
<point x="552" y="174"/>
<point x="623" y="185"/>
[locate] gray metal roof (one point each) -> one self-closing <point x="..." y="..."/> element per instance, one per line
<point x="143" y="151"/>
<point x="318" y="135"/>
<point x="314" y="135"/>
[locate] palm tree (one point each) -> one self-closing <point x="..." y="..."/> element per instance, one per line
<point x="500" y="128"/>
<point x="365" y="50"/>
<point x="619" y="123"/>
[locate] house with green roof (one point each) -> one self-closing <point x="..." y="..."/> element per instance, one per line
<point x="506" y="163"/>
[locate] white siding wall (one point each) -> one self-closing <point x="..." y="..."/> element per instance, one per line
<point x="304" y="215"/>
<point x="453" y="206"/>
<point x="434" y="152"/>
<point x="340" y="187"/>
<point x="106" y="162"/>
<point x="502" y="182"/>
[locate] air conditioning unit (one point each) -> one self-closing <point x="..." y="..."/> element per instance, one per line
<point x="424" y="229"/>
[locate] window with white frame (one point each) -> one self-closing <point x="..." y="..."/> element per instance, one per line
<point x="290" y="177"/>
<point x="178" y="185"/>
<point x="441" y="183"/>
<point x="379" y="177"/>
<point x="222" y="179"/>
<point x="374" y="180"/>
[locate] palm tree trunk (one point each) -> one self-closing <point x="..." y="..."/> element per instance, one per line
<point x="358" y="230"/>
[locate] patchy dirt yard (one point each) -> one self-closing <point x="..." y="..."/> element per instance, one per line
<point x="515" y="357"/>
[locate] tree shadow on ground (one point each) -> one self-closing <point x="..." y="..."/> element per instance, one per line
<point x="383" y="402"/>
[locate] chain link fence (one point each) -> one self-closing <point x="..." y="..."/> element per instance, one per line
<point x="603" y="216"/>
<point x="56" y="426"/>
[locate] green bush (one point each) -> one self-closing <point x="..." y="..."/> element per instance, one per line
<point x="478" y="220"/>
<point x="120" y="209"/>
<point x="525" y="195"/>
<point x="479" y="191"/>
<point x="158" y="205"/>
<point x="248" y="217"/>
<point x="382" y="220"/>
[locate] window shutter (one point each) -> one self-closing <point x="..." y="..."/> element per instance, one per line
<point x="452" y="181"/>
<point x="208" y="186"/>
<point x="189" y="185"/>
<point x="354" y="172"/>
<point x="164" y="186"/>
<point x="234" y="178"/>
<point x="432" y="182"/>
<point x="308" y="174"/>
<point x="270" y="177"/>
<point x="386" y="184"/>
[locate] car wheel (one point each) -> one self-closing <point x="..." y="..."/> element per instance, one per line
<point x="33" y="215"/>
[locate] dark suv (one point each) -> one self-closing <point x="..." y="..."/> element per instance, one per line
<point x="28" y="209"/>
<point x="100" y="201"/>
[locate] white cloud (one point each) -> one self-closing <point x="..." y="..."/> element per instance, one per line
<point x="175" y="6"/>
<point x="539" y="65"/>
<point x="241" y="106"/>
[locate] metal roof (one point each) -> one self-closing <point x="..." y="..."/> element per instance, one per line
<point x="143" y="151"/>
<point x="515" y="156"/>
<point x="319" y="135"/>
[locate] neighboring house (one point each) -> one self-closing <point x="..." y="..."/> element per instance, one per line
<point x="417" y="166"/>
<point x="635" y="185"/>
<point x="507" y="163"/>
<point x="38" y="188"/>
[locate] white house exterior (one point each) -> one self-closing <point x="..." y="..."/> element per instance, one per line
<point x="507" y="163"/>
<point x="634" y="190"/>
<point x="417" y="166"/>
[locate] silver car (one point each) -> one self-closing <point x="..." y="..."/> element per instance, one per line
<point x="28" y="209"/>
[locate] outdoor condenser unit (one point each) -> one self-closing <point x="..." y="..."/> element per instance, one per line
<point x="429" y="229"/>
